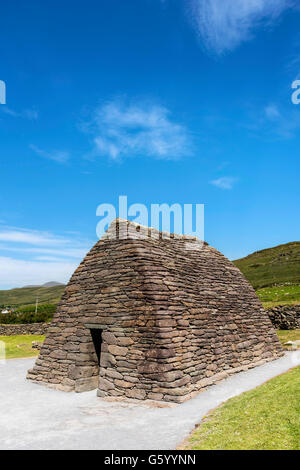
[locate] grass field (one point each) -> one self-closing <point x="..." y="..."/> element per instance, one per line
<point x="18" y="346"/>
<point x="28" y="295"/>
<point x="273" y="266"/>
<point x="279" y="295"/>
<point x="288" y="335"/>
<point x="266" y="418"/>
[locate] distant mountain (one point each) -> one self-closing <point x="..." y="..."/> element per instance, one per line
<point x="47" y="284"/>
<point x="279" y="265"/>
<point x="52" y="284"/>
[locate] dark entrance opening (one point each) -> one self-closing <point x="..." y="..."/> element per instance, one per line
<point x="97" y="340"/>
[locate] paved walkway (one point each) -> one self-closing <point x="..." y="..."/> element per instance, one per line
<point x="35" y="417"/>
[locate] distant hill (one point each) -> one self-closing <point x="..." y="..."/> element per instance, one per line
<point x="273" y="266"/>
<point x="47" y="284"/>
<point x="27" y="295"/>
<point x="52" y="284"/>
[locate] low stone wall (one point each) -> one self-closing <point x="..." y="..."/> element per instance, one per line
<point x="28" y="329"/>
<point x="285" y="317"/>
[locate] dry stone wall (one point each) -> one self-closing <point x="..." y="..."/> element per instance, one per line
<point x="24" y="329"/>
<point x="175" y="317"/>
<point x="285" y="317"/>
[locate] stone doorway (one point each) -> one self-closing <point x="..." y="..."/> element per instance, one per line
<point x="96" y="334"/>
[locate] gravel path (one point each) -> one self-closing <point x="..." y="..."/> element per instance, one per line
<point x="35" y="417"/>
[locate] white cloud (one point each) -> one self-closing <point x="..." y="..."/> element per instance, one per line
<point x="122" y="130"/>
<point x="273" y="122"/>
<point x="31" y="237"/>
<point x="31" y="114"/>
<point x="18" y="273"/>
<point x="58" y="156"/>
<point x="38" y="257"/>
<point x="223" y="25"/>
<point x="64" y="252"/>
<point x="225" y="182"/>
<point x="48" y="258"/>
<point x="272" y="112"/>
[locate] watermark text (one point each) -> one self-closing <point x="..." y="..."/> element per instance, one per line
<point x="2" y="92"/>
<point x="296" y="94"/>
<point x="180" y="219"/>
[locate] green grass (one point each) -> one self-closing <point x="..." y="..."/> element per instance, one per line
<point x="19" y="346"/>
<point x="273" y="266"/>
<point x="28" y="295"/>
<point x="288" y="335"/>
<point x="279" y="295"/>
<point x="266" y="418"/>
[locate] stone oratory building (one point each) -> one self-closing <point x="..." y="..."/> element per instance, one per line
<point x="150" y="315"/>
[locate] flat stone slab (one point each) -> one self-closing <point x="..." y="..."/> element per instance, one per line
<point x="35" y="417"/>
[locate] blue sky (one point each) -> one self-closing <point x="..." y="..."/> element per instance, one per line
<point x="175" y="101"/>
